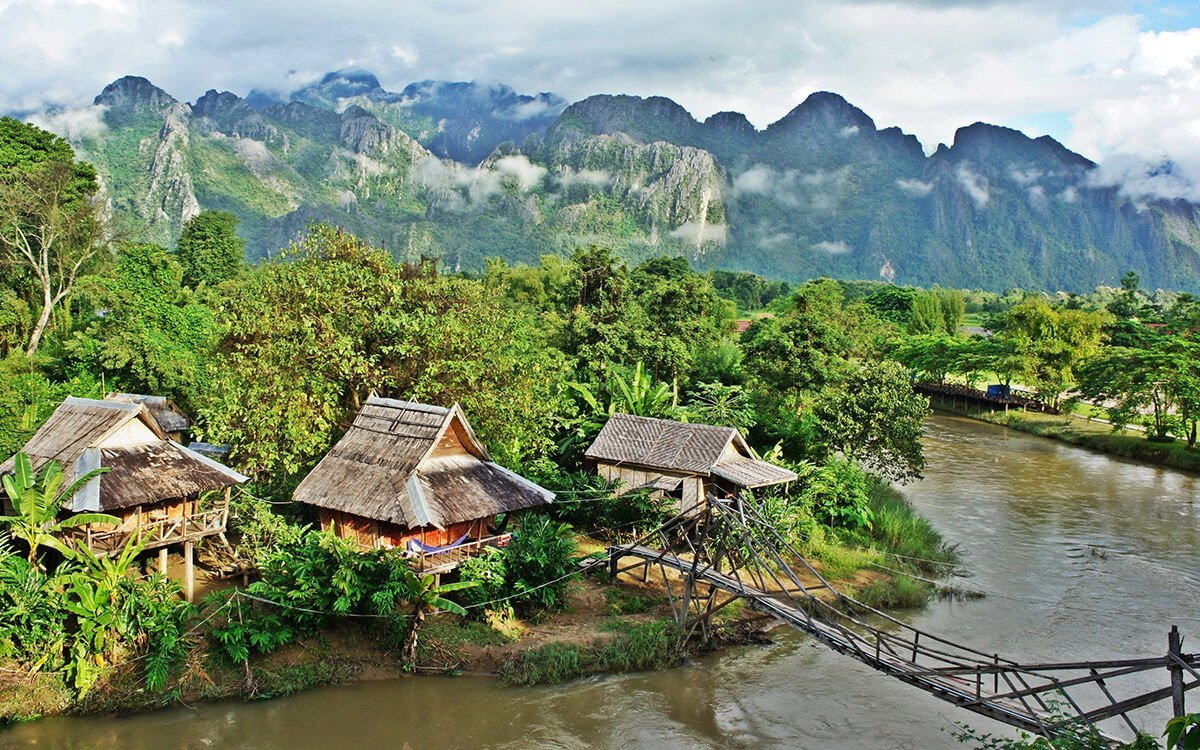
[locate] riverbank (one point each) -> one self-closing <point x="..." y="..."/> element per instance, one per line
<point x="607" y="627"/>
<point x="1092" y="435"/>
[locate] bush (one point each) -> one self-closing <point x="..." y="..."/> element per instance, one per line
<point x="837" y="493"/>
<point x="539" y="564"/>
<point x="315" y="578"/>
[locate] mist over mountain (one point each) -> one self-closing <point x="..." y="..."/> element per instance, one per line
<point x="465" y="171"/>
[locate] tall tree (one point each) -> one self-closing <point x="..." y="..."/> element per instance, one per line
<point x="50" y="220"/>
<point x="309" y="336"/>
<point x="874" y="417"/>
<point x="1049" y="343"/>
<point x="209" y="249"/>
<point x="155" y="336"/>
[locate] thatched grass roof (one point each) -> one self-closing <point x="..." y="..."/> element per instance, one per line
<point x="706" y="450"/>
<point x="415" y="465"/>
<point x="144" y="466"/>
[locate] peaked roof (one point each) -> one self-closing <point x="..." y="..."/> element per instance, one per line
<point x="383" y="468"/>
<point x="165" y="411"/>
<point x="684" y="447"/>
<point x="141" y="471"/>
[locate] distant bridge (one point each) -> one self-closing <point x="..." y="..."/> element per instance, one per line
<point x="722" y="550"/>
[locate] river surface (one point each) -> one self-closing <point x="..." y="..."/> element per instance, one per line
<point x="1083" y="557"/>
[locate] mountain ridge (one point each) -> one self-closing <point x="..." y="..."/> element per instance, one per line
<point x="822" y="190"/>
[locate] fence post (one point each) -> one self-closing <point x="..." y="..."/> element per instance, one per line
<point x="1175" y="651"/>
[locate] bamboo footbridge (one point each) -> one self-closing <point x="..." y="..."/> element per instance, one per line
<point x="721" y="551"/>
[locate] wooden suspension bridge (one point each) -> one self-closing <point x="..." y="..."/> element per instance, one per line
<point x="721" y="551"/>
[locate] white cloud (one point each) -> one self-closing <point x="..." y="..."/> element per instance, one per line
<point x="914" y="188"/>
<point x="699" y="232"/>
<point x="1037" y="196"/>
<point x="836" y="247"/>
<point x="848" y="131"/>
<point x="596" y="178"/>
<point x="456" y="187"/>
<point x="974" y="185"/>
<point x="73" y="124"/>
<point x="1140" y="179"/>
<point x="1069" y="195"/>
<point x="759" y="179"/>
<point x="527" y="174"/>
<point x="928" y="66"/>
<point x="1024" y="177"/>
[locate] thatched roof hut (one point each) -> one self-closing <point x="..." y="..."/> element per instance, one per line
<point x="166" y="412"/>
<point x="144" y="465"/>
<point x="679" y="457"/>
<point x="415" y="465"/>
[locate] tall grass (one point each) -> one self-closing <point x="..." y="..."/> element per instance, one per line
<point x="900" y="531"/>
<point x="638" y="647"/>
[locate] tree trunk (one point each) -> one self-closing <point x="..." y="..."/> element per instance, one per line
<point x="410" y="641"/>
<point x="43" y="319"/>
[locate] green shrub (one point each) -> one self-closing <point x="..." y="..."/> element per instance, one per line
<point x="837" y="492"/>
<point x="539" y="564"/>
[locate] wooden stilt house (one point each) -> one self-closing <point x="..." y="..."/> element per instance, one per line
<point x="153" y="485"/>
<point x="680" y="460"/>
<point x="415" y="477"/>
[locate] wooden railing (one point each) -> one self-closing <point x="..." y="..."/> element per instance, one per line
<point x="155" y="533"/>
<point x="451" y="558"/>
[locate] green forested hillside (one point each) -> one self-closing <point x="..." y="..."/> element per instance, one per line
<point x="821" y="191"/>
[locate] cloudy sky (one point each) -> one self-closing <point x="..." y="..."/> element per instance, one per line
<point x="1118" y="81"/>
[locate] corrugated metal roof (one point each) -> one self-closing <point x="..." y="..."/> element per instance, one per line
<point x="686" y="447"/>
<point x="147" y="472"/>
<point x="752" y="472"/>
<point x="660" y="443"/>
<point x="165" y="411"/>
<point x="367" y="473"/>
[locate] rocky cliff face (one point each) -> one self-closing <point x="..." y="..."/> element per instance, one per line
<point x="822" y="191"/>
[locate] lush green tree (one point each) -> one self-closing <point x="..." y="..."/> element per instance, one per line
<point x="153" y="335"/>
<point x="209" y="249"/>
<point x="716" y="403"/>
<point x="874" y="417"/>
<point x="1161" y="378"/>
<point x="804" y="348"/>
<point x="50" y="221"/>
<point x="892" y="303"/>
<point x="937" y="311"/>
<point x="1046" y="344"/>
<point x="925" y="318"/>
<point x="309" y="336"/>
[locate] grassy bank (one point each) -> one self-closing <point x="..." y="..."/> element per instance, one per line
<point x="885" y="565"/>
<point x="1098" y="437"/>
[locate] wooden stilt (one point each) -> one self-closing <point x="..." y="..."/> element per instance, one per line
<point x="189" y="573"/>
<point x="162" y="560"/>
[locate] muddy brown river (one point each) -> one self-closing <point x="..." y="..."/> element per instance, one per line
<point x="1082" y="556"/>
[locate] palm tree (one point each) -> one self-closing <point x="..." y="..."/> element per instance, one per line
<point x="37" y="499"/>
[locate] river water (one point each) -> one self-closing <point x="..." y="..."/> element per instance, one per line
<point x="1083" y="557"/>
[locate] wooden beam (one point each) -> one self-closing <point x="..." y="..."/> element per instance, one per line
<point x="189" y="573"/>
<point x="162" y="560"/>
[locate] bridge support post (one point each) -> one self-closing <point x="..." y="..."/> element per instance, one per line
<point x="1174" y="652"/>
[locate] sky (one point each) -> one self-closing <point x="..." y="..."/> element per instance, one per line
<point x="1117" y="81"/>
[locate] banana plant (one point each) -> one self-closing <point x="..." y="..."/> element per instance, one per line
<point x="37" y="498"/>
<point x="425" y="596"/>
